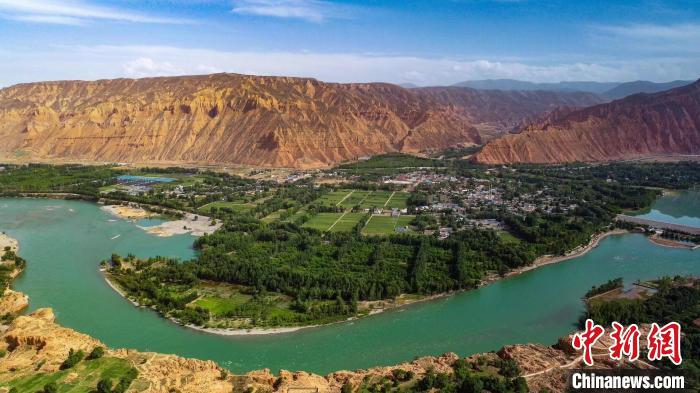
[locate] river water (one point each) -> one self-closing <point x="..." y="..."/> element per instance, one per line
<point x="64" y="241"/>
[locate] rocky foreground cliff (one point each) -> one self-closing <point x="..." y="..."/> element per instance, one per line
<point x="642" y="125"/>
<point x="250" y="120"/>
<point x="35" y="348"/>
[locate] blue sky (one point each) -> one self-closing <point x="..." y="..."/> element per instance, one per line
<point x="422" y="42"/>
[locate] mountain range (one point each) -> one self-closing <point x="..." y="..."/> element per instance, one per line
<point x="609" y="90"/>
<point x="224" y="119"/>
<point x="641" y="125"/>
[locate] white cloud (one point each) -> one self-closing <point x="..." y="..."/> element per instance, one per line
<point x="72" y="12"/>
<point x="309" y="10"/>
<point x="145" y="66"/>
<point x="142" y="61"/>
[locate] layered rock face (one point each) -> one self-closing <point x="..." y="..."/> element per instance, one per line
<point x="643" y="125"/>
<point x="260" y="121"/>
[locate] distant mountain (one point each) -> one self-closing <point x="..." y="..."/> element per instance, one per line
<point x="408" y="85"/>
<point x="642" y="125"/>
<point x="225" y="119"/>
<point x="512" y="84"/>
<point x="629" y="88"/>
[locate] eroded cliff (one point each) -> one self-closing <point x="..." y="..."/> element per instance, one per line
<point x="642" y="125"/>
<point x="251" y="120"/>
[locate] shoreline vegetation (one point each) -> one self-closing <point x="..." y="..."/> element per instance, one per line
<point x="400" y="302"/>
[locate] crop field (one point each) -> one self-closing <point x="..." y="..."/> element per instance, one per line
<point x="385" y="225"/>
<point x="365" y="199"/>
<point x="354" y="199"/>
<point x="322" y="221"/>
<point x="333" y="198"/>
<point x="347" y="222"/>
<point x="376" y="199"/>
<point x="398" y="200"/>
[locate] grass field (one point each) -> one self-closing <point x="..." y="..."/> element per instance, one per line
<point x="347" y="222"/>
<point x="89" y="372"/>
<point x="365" y="199"/>
<point x="398" y="201"/>
<point x="322" y="221"/>
<point x="333" y="198"/>
<point x="385" y="225"/>
<point x="354" y="199"/>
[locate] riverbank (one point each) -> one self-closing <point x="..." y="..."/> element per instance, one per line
<point x="660" y="241"/>
<point x="552" y="259"/>
<point x="7" y="241"/>
<point x="194" y="224"/>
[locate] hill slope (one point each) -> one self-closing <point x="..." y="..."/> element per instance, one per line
<point x="637" y="126"/>
<point x="238" y="119"/>
<point x="629" y="88"/>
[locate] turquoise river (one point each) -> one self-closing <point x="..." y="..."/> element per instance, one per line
<point x="64" y="241"/>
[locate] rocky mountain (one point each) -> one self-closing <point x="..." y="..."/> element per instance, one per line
<point x="629" y="88"/>
<point x="642" y="125"/>
<point x="227" y="119"/>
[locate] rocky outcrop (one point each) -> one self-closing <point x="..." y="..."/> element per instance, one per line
<point x="12" y="302"/>
<point x="36" y="344"/>
<point x="263" y="121"/>
<point x="643" y="125"/>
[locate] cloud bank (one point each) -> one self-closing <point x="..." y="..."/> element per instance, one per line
<point x="147" y="61"/>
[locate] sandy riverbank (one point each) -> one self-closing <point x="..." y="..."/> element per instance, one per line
<point x="660" y="241"/>
<point x="7" y="241"/>
<point x="127" y="212"/>
<point x="197" y="225"/>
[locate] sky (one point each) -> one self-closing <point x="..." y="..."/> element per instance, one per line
<point x="429" y="42"/>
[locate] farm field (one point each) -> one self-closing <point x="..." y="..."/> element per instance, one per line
<point x="398" y="200"/>
<point x="347" y="222"/>
<point x="354" y="199"/>
<point x="385" y="225"/>
<point x="322" y="221"/>
<point x="333" y="198"/>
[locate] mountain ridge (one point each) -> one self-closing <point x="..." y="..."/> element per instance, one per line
<point x="232" y="119"/>
<point x="637" y="126"/>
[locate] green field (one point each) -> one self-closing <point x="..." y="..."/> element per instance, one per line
<point x="398" y="201"/>
<point x="347" y="222"/>
<point x="333" y="198"/>
<point x="354" y="199"/>
<point x="322" y="221"/>
<point x="385" y="225"/>
<point x="89" y="372"/>
<point x="376" y="199"/>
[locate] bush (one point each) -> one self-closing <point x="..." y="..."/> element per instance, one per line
<point x="104" y="386"/>
<point x="74" y="357"/>
<point x="96" y="353"/>
<point x="50" y="387"/>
